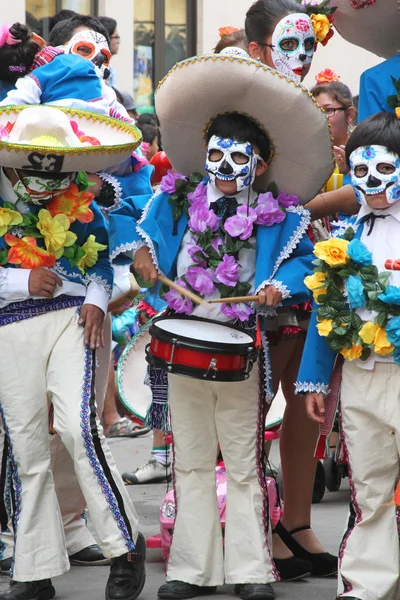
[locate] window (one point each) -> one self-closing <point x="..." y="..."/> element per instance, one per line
<point x="165" y="33"/>
<point x="39" y="12"/>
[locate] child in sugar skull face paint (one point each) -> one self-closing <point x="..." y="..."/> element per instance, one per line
<point x="370" y="385"/>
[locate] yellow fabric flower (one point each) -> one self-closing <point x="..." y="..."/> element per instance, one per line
<point x="332" y="251"/>
<point x="321" y="26"/>
<point x="398" y="112"/>
<point x="368" y="332"/>
<point x="55" y="232"/>
<point x="382" y="346"/>
<point x="91" y="249"/>
<point x="325" y="327"/>
<point x="352" y="353"/>
<point x="8" y="218"/>
<point x="315" y="284"/>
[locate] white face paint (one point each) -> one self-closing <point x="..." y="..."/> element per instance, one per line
<point x="374" y="170"/>
<point x="293" y="44"/>
<point x="228" y="160"/>
<point x="93" y="46"/>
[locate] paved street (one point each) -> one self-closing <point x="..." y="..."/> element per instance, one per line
<point x="84" y="583"/>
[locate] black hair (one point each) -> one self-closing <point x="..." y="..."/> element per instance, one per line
<point x="149" y="133"/>
<point x="64" y="30"/>
<point x="147" y="119"/>
<point x="242" y="129"/>
<point x="263" y="16"/>
<point x="237" y="39"/>
<point x="17" y="59"/>
<point x="382" y="129"/>
<point x="109" y="23"/>
<point x="61" y="15"/>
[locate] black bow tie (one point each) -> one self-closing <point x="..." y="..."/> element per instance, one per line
<point x="371" y="218"/>
<point x="224" y="207"/>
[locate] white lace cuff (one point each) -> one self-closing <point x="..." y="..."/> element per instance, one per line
<point x="305" y="387"/>
<point x="128" y="249"/>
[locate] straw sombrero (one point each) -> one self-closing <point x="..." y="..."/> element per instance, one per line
<point x="63" y="140"/>
<point x="370" y="24"/>
<point x="197" y="90"/>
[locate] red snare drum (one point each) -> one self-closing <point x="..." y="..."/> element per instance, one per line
<point x="201" y="349"/>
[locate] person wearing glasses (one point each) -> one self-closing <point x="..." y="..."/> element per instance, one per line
<point x="115" y="40"/>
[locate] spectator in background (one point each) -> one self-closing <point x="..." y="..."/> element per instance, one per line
<point x="150" y="143"/>
<point x="147" y="119"/>
<point x="128" y="103"/>
<point x="115" y="39"/>
<point x="61" y="15"/>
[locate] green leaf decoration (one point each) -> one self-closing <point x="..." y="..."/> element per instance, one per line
<point x="348" y="234"/>
<point x="83" y="182"/>
<point x="3" y="257"/>
<point x="274" y="189"/>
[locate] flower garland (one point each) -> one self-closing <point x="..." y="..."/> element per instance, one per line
<point x="218" y="236"/>
<point x="345" y="280"/>
<point x="322" y="22"/>
<point x="50" y="225"/>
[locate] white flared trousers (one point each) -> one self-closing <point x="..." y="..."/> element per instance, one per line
<point x="42" y="359"/>
<point x="369" y="554"/>
<point x="203" y="414"/>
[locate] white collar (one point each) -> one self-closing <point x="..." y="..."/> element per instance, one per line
<point x="391" y="211"/>
<point x="214" y="194"/>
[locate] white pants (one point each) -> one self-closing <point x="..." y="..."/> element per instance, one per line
<point x="45" y="359"/>
<point x="203" y="414"/>
<point x="369" y="554"/>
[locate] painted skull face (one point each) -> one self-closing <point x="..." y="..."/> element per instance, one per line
<point x="375" y="171"/>
<point x="228" y="160"/>
<point x="94" y="47"/>
<point x="293" y="44"/>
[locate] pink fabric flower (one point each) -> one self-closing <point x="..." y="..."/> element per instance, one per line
<point x="177" y="302"/>
<point x="6" y="37"/>
<point x="201" y="280"/>
<point x="287" y="200"/>
<point x="241" y="224"/>
<point x="4" y="134"/>
<point x="216" y="243"/>
<point x="199" y="194"/>
<point x="268" y="211"/>
<point x="168" y="182"/>
<point x="237" y="311"/>
<point x="201" y="218"/>
<point x="228" y="271"/>
<point x="197" y="255"/>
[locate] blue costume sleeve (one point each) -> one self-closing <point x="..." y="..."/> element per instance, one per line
<point x="376" y="86"/>
<point x="123" y="235"/>
<point x="136" y="183"/>
<point x="317" y="362"/>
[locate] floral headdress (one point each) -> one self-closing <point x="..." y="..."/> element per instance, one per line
<point x="327" y="76"/>
<point x="227" y="31"/>
<point x="321" y="15"/>
<point x="6" y="37"/>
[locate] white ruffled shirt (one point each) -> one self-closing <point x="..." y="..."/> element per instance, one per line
<point x="384" y="243"/>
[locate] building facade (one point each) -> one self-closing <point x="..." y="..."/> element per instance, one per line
<point x="155" y="34"/>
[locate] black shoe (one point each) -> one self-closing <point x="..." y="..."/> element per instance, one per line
<point x="91" y="556"/>
<point x="255" y="591"/>
<point x="323" y="563"/>
<point x="293" y="568"/>
<point x="29" y="590"/>
<point x="127" y="574"/>
<point x="5" y="566"/>
<point x="179" y="590"/>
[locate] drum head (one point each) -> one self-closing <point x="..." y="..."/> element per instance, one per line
<point x="202" y="330"/>
<point x="134" y="392"/>
<point x="276" y="411"/>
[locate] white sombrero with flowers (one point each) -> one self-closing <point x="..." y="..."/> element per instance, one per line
<point x="370" y="24"/>
<point x="63" y="140"/>
<point x="199" y="89"/>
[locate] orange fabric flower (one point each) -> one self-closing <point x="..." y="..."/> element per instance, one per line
<point x="227" y="30"/>
<point x="74" y="204"/>
<point x="25" y="253"/>
<point x="327" y="76"/>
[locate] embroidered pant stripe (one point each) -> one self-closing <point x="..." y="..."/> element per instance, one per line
<point x="3" y="485"/>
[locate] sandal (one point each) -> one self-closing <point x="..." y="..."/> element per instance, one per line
<point x="126" y="428"/>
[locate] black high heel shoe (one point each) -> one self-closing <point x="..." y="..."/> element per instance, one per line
<point x="323" y="563"/>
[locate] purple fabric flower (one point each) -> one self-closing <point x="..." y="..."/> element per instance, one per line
<point x="287" y="200"/>
<point x="199" y="194"/>
<point x="241" y="224"/>
<point x="201" y="218"/>
<point x="168" y="182"/>
<point x="201" y="280"/>
<point x="194" y="250"/>
<point x="228" y="271"/>
<point x="268" y="211"/>
<point x="237" y="311"/>
<point x="177" y="302"/>
<point x="216" y="243"/>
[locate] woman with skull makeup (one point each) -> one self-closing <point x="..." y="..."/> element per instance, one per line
<point x="281" y="34"/>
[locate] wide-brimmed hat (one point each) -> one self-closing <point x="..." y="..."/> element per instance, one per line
<point x="199" y="89"/>
<point x="370" y="24"/>
<point x="63" y="140"/>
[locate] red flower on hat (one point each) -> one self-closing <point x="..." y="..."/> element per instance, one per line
<point x="327" y="76"/>
<point x="227" y="30"/>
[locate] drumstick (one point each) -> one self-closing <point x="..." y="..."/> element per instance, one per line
<point x="193" y="297"/>
<point x="235" y="300"/>
<point x="392" y="265"/>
